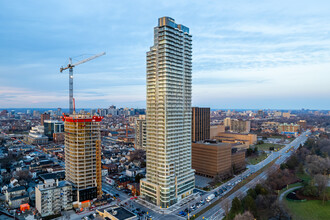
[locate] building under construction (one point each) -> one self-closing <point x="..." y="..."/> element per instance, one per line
<point x="83" y="155"/>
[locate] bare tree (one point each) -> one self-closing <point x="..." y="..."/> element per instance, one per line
<point x="265" y="202"/>
<point x="245" y="216"/>
<point x="23" y="175"/>
<point x="321" y="182"/>
<point x="278" y="211"/>
<point x="138" y="154"/>
<point x="226" y="206"/>
<point x="318" y="165"/>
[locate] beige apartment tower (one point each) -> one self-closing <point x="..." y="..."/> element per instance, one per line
<point x="83" y="155"/>
<point x="169" y="177"/>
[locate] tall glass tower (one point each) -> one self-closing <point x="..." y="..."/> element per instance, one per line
<point x="169" y="177"/>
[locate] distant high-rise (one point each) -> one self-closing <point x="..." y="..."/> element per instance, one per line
<point x="59" y="112"/>
<point x="52" y="127"/>
<point x="200" y="124"/>
<point x="169" y="175"/>
<point x="240" y="126"/>
<point x="44" y="116"/>
<point x="83" y="155"/>
<point x="237" y="125"/>
<point x="140" y="134"/>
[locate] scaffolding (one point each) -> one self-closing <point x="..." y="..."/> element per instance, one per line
<point x="98" y="169"/>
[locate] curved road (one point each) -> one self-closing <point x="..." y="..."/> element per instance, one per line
<point x="288" y="190"/>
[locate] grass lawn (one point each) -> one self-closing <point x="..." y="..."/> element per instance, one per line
<point x="254" y="160"/>
<point x="313" y="209"/>
<point x="266" y="146"/>
<point x="304" y="176"/>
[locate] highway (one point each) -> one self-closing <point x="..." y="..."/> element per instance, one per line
<point x="218" y="211"/>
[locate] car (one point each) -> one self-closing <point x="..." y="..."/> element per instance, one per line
<point x="117" y="195"/>
<point x="91" y="216"/>
<point x="183" y="214"/>
<point x="143" y="212"/>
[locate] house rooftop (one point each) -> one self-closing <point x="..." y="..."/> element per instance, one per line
<point x="15" y="189"/>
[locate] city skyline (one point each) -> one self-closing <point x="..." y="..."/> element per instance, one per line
<point x="246" y="55"/>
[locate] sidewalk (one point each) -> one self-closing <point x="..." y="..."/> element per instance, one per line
<point x="171" y="209"/>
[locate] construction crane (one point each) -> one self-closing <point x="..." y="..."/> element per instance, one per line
<point x="70" y="67"/>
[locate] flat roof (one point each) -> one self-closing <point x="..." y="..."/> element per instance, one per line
<point x="19" y="197"/>
<point x="218" y="144"/>
<point x="17" y="188"/>
<point x="119" y="212"/>
<point x="57" y="175"/>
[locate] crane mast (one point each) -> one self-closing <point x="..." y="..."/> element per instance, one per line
<point x="70" y="88"/>
<point x="70" y="67"/>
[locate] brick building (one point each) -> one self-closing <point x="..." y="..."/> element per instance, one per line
<point x="245" y="139"/>
<point x="212" y="159"/>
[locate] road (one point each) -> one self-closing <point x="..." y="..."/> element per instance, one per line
<point x="288" y="190"/>
<point x="132" y="204"/>
<point x="218" y="211"/>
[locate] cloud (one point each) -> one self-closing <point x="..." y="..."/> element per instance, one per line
<point x="241" y="51"/>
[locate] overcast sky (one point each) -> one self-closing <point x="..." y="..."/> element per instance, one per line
<point x="246" y="54"/>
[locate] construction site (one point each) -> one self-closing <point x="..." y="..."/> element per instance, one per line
<point x="83" y="155"/>
<point x="82" y="148"/>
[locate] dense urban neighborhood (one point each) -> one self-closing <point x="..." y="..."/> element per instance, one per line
<point x="245" y="164"/>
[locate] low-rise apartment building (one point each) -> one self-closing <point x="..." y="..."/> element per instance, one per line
<point x="53" y="196"/>
<point x="289" y="129"/>
<point x="245" y="139"/>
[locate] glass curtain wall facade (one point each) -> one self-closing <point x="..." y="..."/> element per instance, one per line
<point x="169" y="176"/>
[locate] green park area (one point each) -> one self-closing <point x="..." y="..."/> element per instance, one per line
<point x="312" y="209"/>
<point x="255" y="159"/>
<point x="267" y="146"/>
